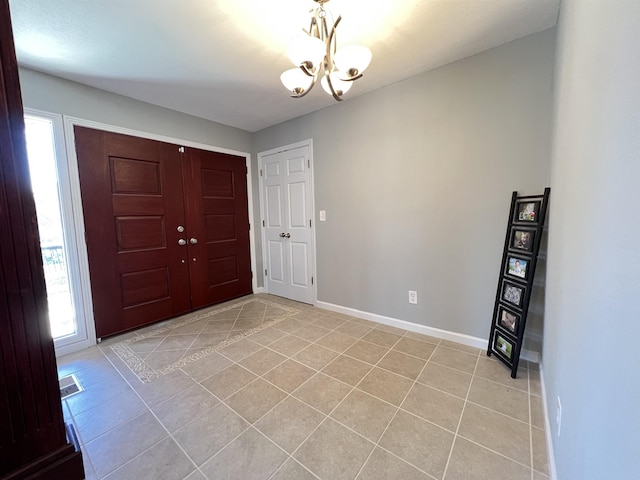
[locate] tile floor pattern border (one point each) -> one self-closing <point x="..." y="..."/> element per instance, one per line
<point x="146" y="373"/>
<point x="378" y="456"/>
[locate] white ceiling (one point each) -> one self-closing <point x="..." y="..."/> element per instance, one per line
<point x="221" y="59"/>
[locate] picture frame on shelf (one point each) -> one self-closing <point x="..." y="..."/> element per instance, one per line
<point x="503" y="346"/>
<point x="517" y="267"/>
<point x="522" y="239"/>
<point x="508" y="320"/>
<point x="512" y="293"/>
<point x="527" y="211"/>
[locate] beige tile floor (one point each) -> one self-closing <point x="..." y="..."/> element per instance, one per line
<point x="320" y="395"/>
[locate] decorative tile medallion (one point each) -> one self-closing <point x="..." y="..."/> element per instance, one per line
<point x="144" y="353"/>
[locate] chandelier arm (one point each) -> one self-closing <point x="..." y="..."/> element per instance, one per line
<point x="307" y="90"/>
<point x="351" y="79"/>
<point x="337" y="97"/>
<point x="313" y="28"/>
<point x="328" y="61"/>
<point x="331" y="41"/>
<point x="306" y="70"/>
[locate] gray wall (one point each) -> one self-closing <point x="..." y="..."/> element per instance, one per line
<point x="56" y="95"/>
<point x="416" y="180"/>
<point x="590" y="357"/>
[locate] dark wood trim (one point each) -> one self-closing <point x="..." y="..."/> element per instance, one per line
<point x="33" y="442"/>
<point x="63" y="463"/>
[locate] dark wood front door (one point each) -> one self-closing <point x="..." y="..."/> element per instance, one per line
<point x="216" y="197"/>
<point x="156" y="221"/>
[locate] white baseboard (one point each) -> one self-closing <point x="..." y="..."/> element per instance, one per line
<point x="258" y="290"/>
<point x="551" y="459"/>
<point x="475" y="342"/>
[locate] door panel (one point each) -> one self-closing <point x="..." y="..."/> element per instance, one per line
<point x="299" y="261"/>
<point x="287" y="224"/>
<point x="274" y="225"/>
<point x="297" y="203"/>
<point x="220" y="261"/>
<point x="276" y="269"/>
<point x="134" y="233"/>
<point x="133" y="205"/>
<point x="274" y="206"/>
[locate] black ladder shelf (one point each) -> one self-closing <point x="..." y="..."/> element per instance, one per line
<point x="519" y="258"/>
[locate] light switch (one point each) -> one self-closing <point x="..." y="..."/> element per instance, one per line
<point x="323" y="215"/>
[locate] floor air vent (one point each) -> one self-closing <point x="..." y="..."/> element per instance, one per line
<point x="69" y="385"/>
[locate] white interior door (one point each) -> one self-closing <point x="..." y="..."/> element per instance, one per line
<point x="288" y="239"/>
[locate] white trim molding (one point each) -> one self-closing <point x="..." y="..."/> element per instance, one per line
<point x="468" y="340"/>
<point x="551" y="458"/>
<point x="85" y="335"/>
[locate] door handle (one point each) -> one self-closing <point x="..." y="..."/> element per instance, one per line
<point x="182" y="242"/>
<point x="288" y="235"/>
<point x="193" y="240"/>
<point x="282" y="235"/>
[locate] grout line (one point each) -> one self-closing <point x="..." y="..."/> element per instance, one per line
<point x="327" y="416"/>
<point x="415" y="381"/>
<point x="464" y="406"/>
<point x="290" y="458"/>
<point x="197" y="468"/>
<point x="530" y="422"/>
<point x="484" y="447"/>
<point x="496" y="412"/>
<point x="377" y="443"/>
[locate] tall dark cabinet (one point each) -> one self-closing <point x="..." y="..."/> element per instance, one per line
<point x="33" y="440"/>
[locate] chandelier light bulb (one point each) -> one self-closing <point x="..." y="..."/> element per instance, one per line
<point x="296" y="81"/>
<point x="352" y="60"/>
<point x="307" y="50"/>
<point x="339" y="86"/>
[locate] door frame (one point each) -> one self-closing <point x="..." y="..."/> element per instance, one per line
<point x="85" y="336"/>
<point x="83" y="259"/>
<point x="304" y="143"/>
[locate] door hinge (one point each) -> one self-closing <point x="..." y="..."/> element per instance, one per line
<point x="181" y="149"/>
<point x="260" y="172"/>
<point x="311" y="280"/>
<point x="309" y="223"/>
<point x="263" y="224"/>
<point x="265" y="272"/>
<point x="308" y="163"/>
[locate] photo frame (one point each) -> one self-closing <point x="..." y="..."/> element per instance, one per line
<point x="522" y="239"/>
<point x="512" y="293"/>
<point x="508" y="320"/>
<point x="504" y="346"/>
<point x="517" y="267"/>
<point x="527" y="211"/>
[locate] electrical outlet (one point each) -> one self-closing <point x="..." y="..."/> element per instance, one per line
<point x="413" y="297"/>
<point x="559" y="416"/>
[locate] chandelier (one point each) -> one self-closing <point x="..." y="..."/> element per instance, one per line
<point x="315" y="55"/>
